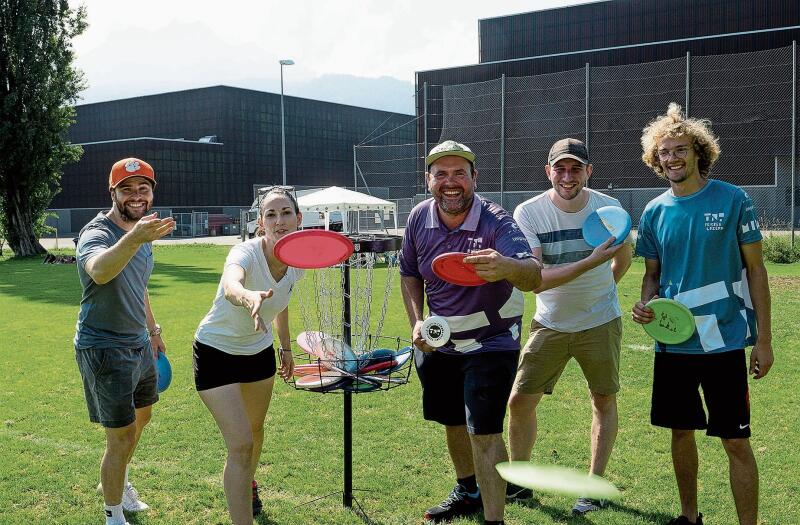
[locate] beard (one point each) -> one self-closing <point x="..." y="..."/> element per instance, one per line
<point x="129" y="214"/>
<point x="568" y="195"/>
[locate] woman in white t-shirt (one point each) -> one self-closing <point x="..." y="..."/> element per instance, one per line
<point x="233" y="353"/>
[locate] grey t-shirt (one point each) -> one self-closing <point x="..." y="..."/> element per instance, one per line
<point x="112" y="315"/>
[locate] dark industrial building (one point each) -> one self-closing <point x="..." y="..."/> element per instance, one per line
<point x="600" y="71"/>
<point x="211" y="146"/>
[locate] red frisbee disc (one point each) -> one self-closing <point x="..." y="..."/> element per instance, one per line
<point x="449" y="267"/>
<point x="312" y="249"/>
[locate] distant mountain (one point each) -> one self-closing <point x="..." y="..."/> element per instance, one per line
<point x="385" y="93"/>
<point x="159" y="61"/>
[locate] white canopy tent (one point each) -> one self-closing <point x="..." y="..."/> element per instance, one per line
<point x="343" y="200"/>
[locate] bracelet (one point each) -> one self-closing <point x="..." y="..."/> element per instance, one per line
<point x="155" y="331"/>
<point x="284" y="349"/>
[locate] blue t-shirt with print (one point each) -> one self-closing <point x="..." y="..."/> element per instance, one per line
<point x="696" y="240"/>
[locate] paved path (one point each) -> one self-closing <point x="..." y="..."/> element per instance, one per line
<point x="228" y="240"/>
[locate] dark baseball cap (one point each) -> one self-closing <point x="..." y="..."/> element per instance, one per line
<point x="568" y="149"/>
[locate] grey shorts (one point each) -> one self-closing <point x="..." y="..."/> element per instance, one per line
<point x="117" y="381"/>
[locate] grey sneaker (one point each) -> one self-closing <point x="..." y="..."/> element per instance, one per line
<point x="130" y="498"/>
<point x="131" y="501"/>
<point x="584" y="505"/>
<point x="517" y="493"/>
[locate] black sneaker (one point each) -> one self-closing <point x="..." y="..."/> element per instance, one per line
<point x="457" y="505"/>
<point x="257" y="505"/>
<point x="517" y="493"/>
<point x="683" y="520"/>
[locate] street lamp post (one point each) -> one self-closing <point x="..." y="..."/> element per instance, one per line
<point x="286" y="62"/>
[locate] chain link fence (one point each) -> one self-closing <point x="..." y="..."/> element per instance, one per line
<point x="511" y="122"/>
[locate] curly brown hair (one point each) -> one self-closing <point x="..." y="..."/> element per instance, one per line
<point x="672" y="125"/>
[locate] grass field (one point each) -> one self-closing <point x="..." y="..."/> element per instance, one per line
<point x="49" y="452"/>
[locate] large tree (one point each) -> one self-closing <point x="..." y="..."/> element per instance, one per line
<point x="38" y="89"/>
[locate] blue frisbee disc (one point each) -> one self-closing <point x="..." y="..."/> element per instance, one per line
<point x="164" y="372"/>
<point x="606" y="222"/>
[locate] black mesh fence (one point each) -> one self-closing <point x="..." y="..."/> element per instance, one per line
<point x="511" y="122"/>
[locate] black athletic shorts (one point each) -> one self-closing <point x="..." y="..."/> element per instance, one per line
<point x="467" y="389"/>
<point x="676" y="403"/>
<point x="213" y="368"/>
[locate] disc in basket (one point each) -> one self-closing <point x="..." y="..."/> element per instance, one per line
<point x="312" y="249"/>
<point x="328" y="349"/>
<point x="317" y="381"/>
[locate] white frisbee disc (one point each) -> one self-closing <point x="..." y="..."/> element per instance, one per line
<point x="435" y="331"/>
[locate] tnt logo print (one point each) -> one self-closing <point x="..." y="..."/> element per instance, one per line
<point x="714" y="221"/>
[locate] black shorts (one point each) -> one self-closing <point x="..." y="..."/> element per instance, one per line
<point x="467" y="389"/>
<point x="676" y="403"/>
<point x="214" y="368"/>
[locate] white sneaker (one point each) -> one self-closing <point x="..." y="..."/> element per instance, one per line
<point x="131" y="501"/>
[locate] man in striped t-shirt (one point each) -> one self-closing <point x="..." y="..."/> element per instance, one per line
<point x="577" y="309"/>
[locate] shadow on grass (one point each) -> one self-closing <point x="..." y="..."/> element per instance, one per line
<point x="31" y="280"/>
<point x="561" y="514"/>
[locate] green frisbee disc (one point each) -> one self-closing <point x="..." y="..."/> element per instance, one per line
<point x="673" y="324"/>
<point x="556" y="479"/>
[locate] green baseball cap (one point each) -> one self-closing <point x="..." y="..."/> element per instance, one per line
<point x="446" y="148"/>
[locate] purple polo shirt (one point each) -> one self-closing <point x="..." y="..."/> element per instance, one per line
<point x="481" y="318"/>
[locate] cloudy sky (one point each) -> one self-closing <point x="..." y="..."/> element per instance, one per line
<point x="371" y="46"/>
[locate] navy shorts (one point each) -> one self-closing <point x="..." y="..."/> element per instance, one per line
<point x="117" y="381"/>
<point x="214" y="368"/>
<point x="676" y="403"/>
<point x="467" y="389"/>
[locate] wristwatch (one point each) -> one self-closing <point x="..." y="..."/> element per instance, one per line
<point x="155" y="331"/>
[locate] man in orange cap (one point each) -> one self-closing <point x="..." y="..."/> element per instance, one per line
<point x="117" y="338"/>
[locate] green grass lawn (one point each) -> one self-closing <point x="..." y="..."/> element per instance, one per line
<point x="49" y="452"/>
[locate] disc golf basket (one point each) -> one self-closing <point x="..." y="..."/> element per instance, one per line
<point x="343" y="303"/>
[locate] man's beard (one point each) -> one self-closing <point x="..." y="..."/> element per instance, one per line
<point x="126" y="216"/>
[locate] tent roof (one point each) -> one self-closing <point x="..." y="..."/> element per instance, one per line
<point x="335" y="198"/>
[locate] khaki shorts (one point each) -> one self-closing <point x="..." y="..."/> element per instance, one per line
<point x="547" y="352"/>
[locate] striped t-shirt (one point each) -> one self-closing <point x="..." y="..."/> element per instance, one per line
<point x="588" y="301"/>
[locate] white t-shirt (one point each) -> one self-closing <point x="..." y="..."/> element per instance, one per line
<point x="229" y="328"/>
<point x="588" y="301"/>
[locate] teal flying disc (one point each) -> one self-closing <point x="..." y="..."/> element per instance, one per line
<point x="164" y="370"/>
<point x="556" y="479"/>
<point x="674" y="322"/>
<point x="606" y="222"/>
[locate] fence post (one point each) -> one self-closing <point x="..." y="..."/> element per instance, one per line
<point x="586" y="124"/>
<point x="794" y="129"/>
<point x="425" y="136"/>
<point x="688" y="83"/>
<point x="502" y="140"/>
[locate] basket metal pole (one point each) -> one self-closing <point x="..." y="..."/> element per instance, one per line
<point x="347" y="493"/>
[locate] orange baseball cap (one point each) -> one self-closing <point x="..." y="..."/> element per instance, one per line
<point x="130" y="167"/>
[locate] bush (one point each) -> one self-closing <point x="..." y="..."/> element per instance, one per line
<point x="778" y="249"/>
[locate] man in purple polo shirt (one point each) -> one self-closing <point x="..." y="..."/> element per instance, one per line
<point x="466" y="383"/>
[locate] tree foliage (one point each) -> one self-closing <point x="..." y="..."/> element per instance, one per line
<point x="38" y="89"/>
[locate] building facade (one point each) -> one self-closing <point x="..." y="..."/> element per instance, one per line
<point x="211" y="146"/>
<point x="600" y="71"/>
